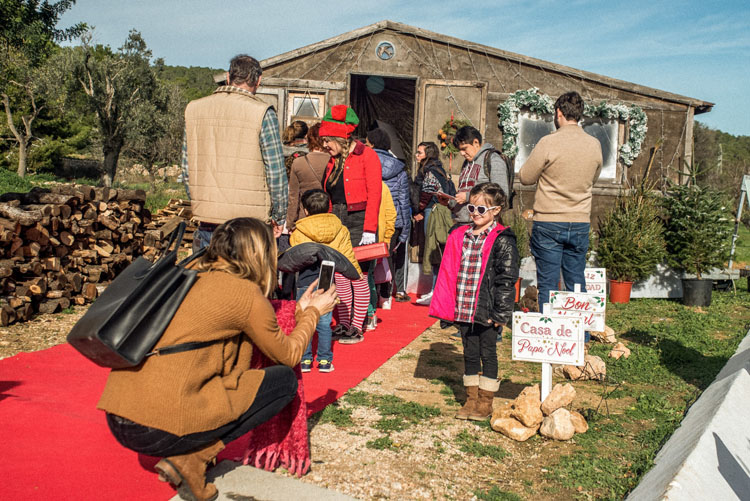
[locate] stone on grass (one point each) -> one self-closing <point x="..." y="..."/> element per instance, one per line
<point x="502" y="412"/>
<point x="619" y="350"/>
<point x="595" y="367"/>
<point x="579" y="422"/>
<point x="560" y="396"/>
<point x="573" y="372"/>
<point x="558" y="425"/>
<point x="526" y="407"/>
<point x="605" y="336"/>
<point x="513" y="429"/>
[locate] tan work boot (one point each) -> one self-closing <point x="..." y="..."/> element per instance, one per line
<point x="487" y="389"/>
<point x="471" y="383"/>
<point x="187" y="473"/>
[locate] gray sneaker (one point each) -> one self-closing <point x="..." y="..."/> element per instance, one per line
<point x="354" y="336"/>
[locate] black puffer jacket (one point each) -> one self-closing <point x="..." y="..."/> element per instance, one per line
<point x="497" y="292"/>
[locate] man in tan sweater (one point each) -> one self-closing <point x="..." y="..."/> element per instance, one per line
<point x="565" y="165"/>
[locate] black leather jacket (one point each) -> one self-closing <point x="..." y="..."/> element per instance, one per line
<point x="497" y="292"/>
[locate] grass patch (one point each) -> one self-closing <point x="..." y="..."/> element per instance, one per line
<point x="337" y="416"/>
<point x="391" y="424"/>
<point x="497" y="494"/>
<point x="676" y="353"/>
<point x="470" y="444"/>
<point x="382" y="443"/>
<point x="357" y="398"/>
<point x="391" y="405"/>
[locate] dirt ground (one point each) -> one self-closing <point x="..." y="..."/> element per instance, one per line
<point x="426" y="460"/>
<point x="423" y="461"/>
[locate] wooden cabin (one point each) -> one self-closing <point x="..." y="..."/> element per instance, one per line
<point x="415" y="80"/>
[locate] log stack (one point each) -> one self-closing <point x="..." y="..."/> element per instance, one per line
<point x="58" y="244"/>
<point x="164" y="222"/>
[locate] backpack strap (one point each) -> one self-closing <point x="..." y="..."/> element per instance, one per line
<point x="509" y="169"/>
<point x="178" y="348"/>
<point x="315" y="175"/>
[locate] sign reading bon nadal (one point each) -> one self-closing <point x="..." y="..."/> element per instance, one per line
<point x="586" y="306"/>
<point x="596" y="280"/>
<point x="548" y="339"/>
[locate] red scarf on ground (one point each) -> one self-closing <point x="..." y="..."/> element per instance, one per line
<point x="282" y="440"/>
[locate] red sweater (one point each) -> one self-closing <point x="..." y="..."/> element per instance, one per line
<point x="363" y="183"/>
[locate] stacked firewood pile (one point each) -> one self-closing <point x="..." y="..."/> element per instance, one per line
<point x="57" y="244"/>
<point x="163" y="223"/>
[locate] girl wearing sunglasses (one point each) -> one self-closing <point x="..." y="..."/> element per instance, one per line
<point x="476" y="289"/>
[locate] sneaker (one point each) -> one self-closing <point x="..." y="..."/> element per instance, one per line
<point x="306" y="365"/>
<point x="372" y="323"/>
<point x="325" y="366"/>
<point x="387" y="304"/>
<point x="425" y="300"/>
<point x="338" y="332"/>
<point x="354" y="336"/>
<point x="402" y="297"/>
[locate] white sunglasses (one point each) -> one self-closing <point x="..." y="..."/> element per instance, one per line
<point x="480" y="209"/>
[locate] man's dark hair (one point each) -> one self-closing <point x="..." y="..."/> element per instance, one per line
<point x="244" y="69"/>
<point x="466" y="135"/>
<point x="316" y="201"/>
<point x="571" y="105"/>
<point x="379" y="139"/>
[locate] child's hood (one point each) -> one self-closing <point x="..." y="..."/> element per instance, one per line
<point x="321" y="228"/>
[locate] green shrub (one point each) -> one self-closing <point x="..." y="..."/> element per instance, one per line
<point x="10" y="182"/>
<point x="698" y="229"/>
<point x="631" y="241"/>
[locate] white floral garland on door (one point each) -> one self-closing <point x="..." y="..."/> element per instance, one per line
<point x="539" y="103"/>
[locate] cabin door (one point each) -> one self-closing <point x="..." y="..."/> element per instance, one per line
<point x="438" y="100"/>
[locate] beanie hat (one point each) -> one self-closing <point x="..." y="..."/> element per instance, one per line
<point x="339" y="121"/>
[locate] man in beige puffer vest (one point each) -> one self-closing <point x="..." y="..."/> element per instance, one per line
<point x="233" y="164"/>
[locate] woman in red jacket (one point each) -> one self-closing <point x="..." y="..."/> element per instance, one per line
<point x="353" y="180"/>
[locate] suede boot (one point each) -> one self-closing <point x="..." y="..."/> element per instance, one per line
<point x="187" y="473"/>
<point x="471" y="383"/>
<point x="487" y="389"/>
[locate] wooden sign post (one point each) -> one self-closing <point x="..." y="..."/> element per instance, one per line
<point x="547" y="339"/>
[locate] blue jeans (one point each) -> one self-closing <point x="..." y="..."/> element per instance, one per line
<point x="324" y="335"/>
<point x="555" y="247"/>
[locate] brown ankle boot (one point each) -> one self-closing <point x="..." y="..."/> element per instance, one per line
<point x="471" y="383"/>
<point x="471" y="403"/>
<point x="187" y="473"/>
<point x="487" y="389"/>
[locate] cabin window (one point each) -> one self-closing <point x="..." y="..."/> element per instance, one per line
<point x="607" y="132"/>
<point x="532" y="127"/>
<point x="305" y="104"/>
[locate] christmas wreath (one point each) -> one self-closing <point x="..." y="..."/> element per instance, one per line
<point x="539" y="103"/>
<point x="447" y="132"/>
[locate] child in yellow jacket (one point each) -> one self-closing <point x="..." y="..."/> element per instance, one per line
<point x="322" y="227"/>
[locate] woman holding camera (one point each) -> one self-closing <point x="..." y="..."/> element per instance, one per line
<point x="186" y="406"/>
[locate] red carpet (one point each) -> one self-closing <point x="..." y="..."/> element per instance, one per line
<point x="56" y="444"/>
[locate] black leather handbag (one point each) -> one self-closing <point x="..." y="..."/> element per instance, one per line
<point x="122" y="326"/>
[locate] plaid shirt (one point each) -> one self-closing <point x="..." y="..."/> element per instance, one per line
<point x="469" y="274"/>
<point x="273" y="159"/>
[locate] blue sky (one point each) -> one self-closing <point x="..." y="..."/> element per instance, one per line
<point x="699" y="49"/>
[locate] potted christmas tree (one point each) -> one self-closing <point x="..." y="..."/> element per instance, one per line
<point x="631" y="241"/>
<point x="698" y="234"/>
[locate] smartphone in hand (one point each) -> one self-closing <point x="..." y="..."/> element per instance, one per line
<point x="325" y="278"/>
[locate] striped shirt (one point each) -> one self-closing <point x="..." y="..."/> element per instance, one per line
<point x="273" y="159"/>
<point x="469" y="273"/>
